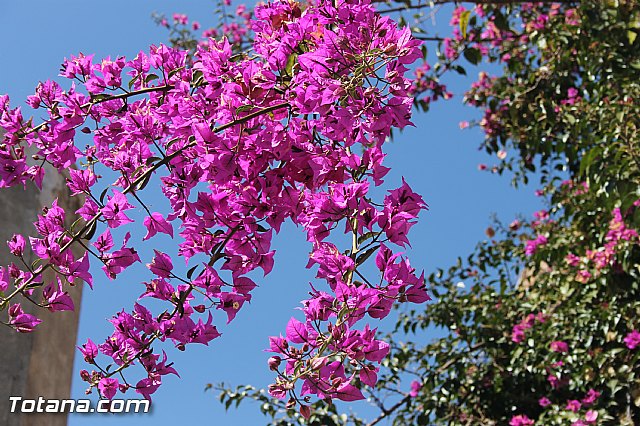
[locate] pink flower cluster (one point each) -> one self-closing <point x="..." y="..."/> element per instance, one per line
<point x="603" y="257"/>
<point x="477" y="34"/>
<point x="518" y="331"/>
<point x="590" y="416"/>
<point x="571" y="186"/>
<point x="632" y="339"/>
<point x="520" y="420"/>
<point x="532" y="245"/>
<point x="425" y="84"/>
<point x="237" y="30"/>
<point x="238" y="145"/>
<point x="559" y="346"/>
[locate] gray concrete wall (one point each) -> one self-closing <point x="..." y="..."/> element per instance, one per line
<point x="38" y="363"/>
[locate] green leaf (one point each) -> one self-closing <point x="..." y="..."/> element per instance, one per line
<point x="464" y="22"/>
<point x="90" y="231"/>
<point x="144" y="182"/>
<point x="133" y="80"/>
<point x="364" y="237"/>
<point x="501" y="21"/>
<point x="291" y="62"/>
<point x="191" y="271"/>
<point x="151" y="77"/>
<point x="103" y="194"/>
<point x="244" y="108"/>
<point x="175" y="71"/>
<point x="472" y="55"/>
<point x="364" y="256"/>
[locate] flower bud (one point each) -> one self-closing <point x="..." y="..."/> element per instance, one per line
<point x="291" y="403"/>
<point x="84" y="374"/>
<point x="15" y="310"/>
<point x="317" y="363"/>
<point x="274" y="362"/>
<point x="490" y="232"/>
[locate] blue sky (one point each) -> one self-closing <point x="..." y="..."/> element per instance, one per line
<point x="436" y="158"/>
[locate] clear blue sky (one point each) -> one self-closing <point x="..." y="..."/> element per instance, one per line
<point x="437" y="159"/>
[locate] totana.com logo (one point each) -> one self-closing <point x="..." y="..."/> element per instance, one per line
<point x="42" y="405"/>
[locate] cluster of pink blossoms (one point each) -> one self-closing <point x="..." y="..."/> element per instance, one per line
<point x="428" y="86"/>
<point x="478" y="33"/>
<point x="555" y="378"/>
<point x="237" y="30"/>
<point x="632" y="339"/>
<point x="575" y="188"/>
<point x="590" y="418"/>
<point x="541" y="217"/>
<point x="520" y="420"/>
<point x="238" y="144"/>
<point x="603" y="257"/>
<point x="532" y="245"/>
<point x="518" y="331"/>
<point x="573" y="406"/>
